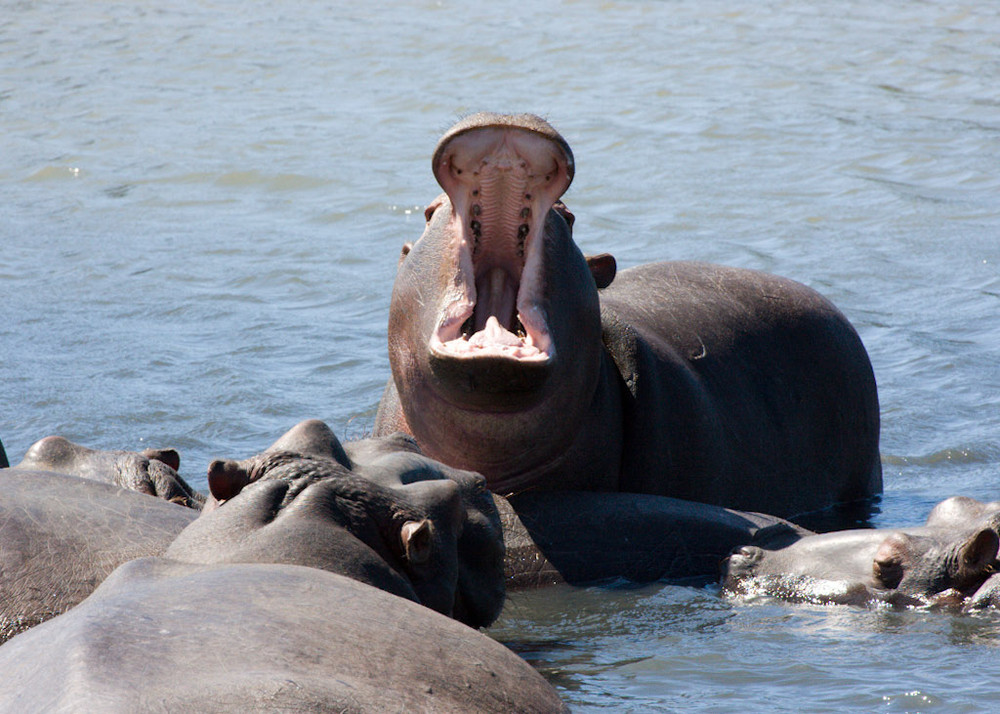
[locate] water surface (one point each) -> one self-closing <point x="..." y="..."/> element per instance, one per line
<point x="202" y="204"/>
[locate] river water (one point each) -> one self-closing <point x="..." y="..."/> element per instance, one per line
<point x="202" y="204"/>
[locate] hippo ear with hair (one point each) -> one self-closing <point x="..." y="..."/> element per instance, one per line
<point x="226" y="478"/>
<point x="170" y="457"/>
<point x="603" y="267"/>
<point x="407" y="247"/>
<point x="977" y="555"/>
<point x="418" y="539"/>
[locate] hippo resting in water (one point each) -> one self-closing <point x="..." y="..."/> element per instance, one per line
<point x="275" y="599"/>
<point x="60" y="536"/>
<point x="947" y="562"/>
<point x="514" y="356"/>
<point x="154" y="471"/>
<point x="549" y="537"/>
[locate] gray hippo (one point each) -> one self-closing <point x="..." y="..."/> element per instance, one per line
<point x="516" y="357"/>
<point x="60" y="536"/>
<point x="153" y="471"/>
<point x="549" y="537"/>
<point x="926" y="565"/>
<point x="298" y="591"/>
<point x="399" y="523"/>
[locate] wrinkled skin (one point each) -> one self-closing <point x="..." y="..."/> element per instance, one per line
<point x="153" y="472"/>
<point x="515" y="356"/>
<point x="160" y="635"/>
<point x="388" y="517"/>
<point x="926" y="565"/>
<point x="60" y="536"/>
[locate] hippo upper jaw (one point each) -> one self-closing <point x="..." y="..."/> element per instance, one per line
<point x="501" y="177"/>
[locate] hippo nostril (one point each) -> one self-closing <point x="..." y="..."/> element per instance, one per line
<point x="750" y="553"/>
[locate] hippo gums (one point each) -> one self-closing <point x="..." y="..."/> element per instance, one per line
<point x="515" y="356"/>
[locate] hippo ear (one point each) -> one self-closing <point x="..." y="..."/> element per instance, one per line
<point x="407" y="247"/>
<point x="603" y="267"/>
<point x="417" y="538"/>
<point x="170" y="457"/>
<point x="431" y="207"/>
<point x="887" y="567"/>
<point x="226" y="478"/>
<point x="560" y="208"/>
<point x="978" y="554"/>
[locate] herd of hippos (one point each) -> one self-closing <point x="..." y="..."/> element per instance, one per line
<point x="547" y="420"/>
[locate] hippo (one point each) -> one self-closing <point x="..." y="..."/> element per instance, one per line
<point x="304" y="587"/>
<point x="515" y="356"/>
<point x="61" y="535"/>
<point x="398" y="523"/>
<point x="153" y="471"/>
<point x="925" y="565"/>
<point x="551" y="537"/>
<point x="165" y="635"/>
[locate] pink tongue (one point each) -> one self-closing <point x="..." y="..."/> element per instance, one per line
<point x="494" y="334"/>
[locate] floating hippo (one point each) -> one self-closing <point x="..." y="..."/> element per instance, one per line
<point x="516" y="357"/>
<point x="266" y="602"/>
<point x="901" y="567"/>
<point x="398" y="523"/>
<point x="60" y="536"/>
<point x="153" y="471"/>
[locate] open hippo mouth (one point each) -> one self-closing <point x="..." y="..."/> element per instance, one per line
<point x="502" y="175"/>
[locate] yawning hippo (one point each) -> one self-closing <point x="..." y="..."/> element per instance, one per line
<point x="514" y="356"/>
<point x="153" y="471"/>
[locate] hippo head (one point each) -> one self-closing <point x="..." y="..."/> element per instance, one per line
<point x="153" y="471"/>
<point x="912" y="567"/>
<point x="394" y="519"/>
<point x="494" y="309"/>
<point x="942" y="564"/>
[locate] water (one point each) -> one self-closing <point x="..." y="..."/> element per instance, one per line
<point x="202" y="204"/>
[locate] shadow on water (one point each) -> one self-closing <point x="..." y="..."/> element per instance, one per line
<point x="843" y="516"/>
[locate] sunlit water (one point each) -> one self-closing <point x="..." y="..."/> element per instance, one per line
<point x="202" y="204"/>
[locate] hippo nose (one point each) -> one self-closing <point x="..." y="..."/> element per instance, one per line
<point x="748" y="554"/>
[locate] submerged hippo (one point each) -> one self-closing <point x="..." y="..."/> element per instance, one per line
<point x="153" y="471"/>
<point x="903" y="567"/>
<point x="515" y="356"/>
<point x="266" y="602"/>
<point x="60" y="536"/>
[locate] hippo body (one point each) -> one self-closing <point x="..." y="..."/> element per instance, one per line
<point x="556" y="536"/>
<point x="160" y="635"/>
<point x="515" y="356"/>
<point x="924" y="565"/>
<point x="60" y="536"/>
<point x="153" y="471"/>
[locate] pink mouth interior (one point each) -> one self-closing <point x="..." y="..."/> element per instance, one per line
<point x="502" y="181"/>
